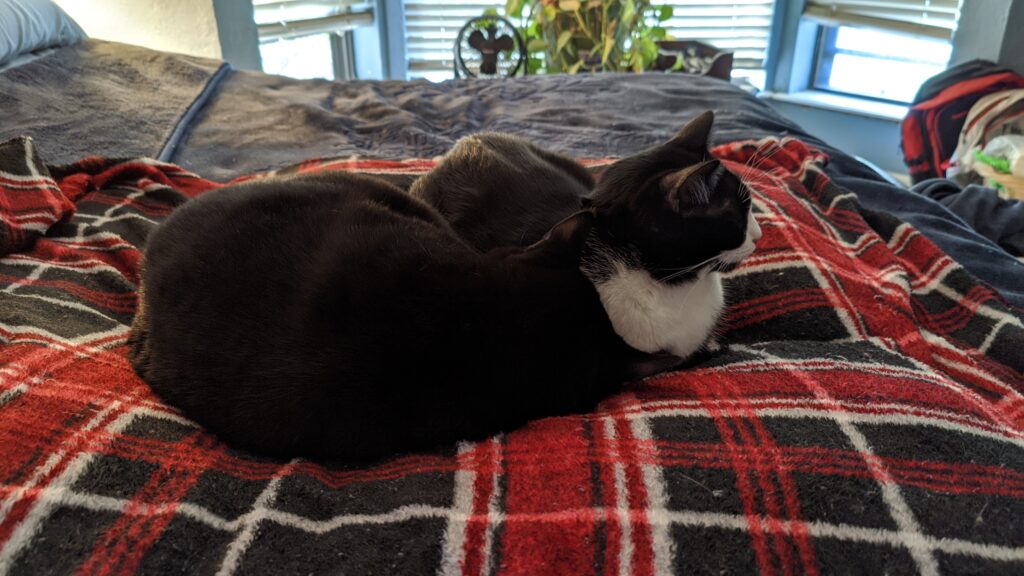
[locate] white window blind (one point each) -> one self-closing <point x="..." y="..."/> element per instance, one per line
<point x="739" y="26"/>
<point x="932" y="18"/>
<point x="430" y="30"/>
<point x="278" y="19"/>
<point x="309" y="38"/>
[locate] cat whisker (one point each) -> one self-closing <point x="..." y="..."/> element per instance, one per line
<point x="775" y="149"/>
<point x="757" y="151"/>
<point x="756" y="157"/>
<point x="687" y="269"/>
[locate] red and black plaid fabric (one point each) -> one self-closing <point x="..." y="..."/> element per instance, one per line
<point x="866" y="417"/>
<point x="31" y="202"/>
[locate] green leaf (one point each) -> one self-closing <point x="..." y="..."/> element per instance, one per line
<point x="514" y="8"/>
<point x="569" y="5"/>
<point x="648" y="51"/>
<point x="609" y="43"/>
<point x="534" y="65"/>
<point x="575" y="67"/>
<point x="550" y="12"/>
<point x="491" y="12"/>
<point x="664" y="13"/>
<point x="563" y="39"/>
<point x="657" y="33"/>
<point x="628" y="10"/>
<point x="536" y="45"/>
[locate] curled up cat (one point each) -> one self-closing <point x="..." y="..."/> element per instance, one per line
<point x="668" y="220"/>
<point x="334" y="315"/>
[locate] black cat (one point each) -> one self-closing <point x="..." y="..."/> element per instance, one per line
<point x="501" y="190"/>
<point x="334" y="315"/>
<point x="668" y="220"/>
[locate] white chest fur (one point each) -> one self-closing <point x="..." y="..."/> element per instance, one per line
<point x="652" y="316"/>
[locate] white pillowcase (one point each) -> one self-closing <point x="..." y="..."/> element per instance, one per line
<point x="28" y="25"/>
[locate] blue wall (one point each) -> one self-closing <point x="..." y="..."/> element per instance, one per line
<point x="875" y="139"/>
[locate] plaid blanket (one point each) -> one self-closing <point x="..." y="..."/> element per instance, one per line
<point x="866" y="417"/>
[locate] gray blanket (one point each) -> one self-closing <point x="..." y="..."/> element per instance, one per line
<point x="259" y="121"/>
<point x="106" y="99"/>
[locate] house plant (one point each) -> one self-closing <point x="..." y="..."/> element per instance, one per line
<point x="590" y="35"/>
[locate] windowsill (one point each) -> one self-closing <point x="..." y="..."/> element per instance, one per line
<point x="841" y="103"/>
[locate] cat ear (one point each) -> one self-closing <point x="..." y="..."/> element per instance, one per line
<point x="689" y="187"/>
<point x="562" y="245"/>
<point x="695" y="134"/>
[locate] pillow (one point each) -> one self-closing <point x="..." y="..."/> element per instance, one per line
<point x="28" y="25"/>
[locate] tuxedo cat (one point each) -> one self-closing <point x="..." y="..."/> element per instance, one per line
<point x="335" y="315"/>
<point x="668" y="219"/>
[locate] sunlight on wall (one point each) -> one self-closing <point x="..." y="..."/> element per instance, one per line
<point x="185" y="26"/>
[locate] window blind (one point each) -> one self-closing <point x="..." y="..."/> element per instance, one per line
<point x="739" y="26"/>
<point x="277" y="19"/>
<point x="932" y="18"/>
<point x="430" y="31"/>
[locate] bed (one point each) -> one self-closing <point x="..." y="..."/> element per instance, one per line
<point x="866" y="415"/>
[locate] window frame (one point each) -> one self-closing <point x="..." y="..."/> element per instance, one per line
<point x="398" y="30"/>
<point x="824" y="55"/>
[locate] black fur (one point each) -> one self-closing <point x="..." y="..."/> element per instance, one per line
<point x="334" y="315"/>
<point x="671" y="210"/>
<point x="500" y="190"/>
<point x="671" y="207"/>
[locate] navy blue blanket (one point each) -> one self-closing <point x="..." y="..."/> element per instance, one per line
<point x="1001" y="220"/>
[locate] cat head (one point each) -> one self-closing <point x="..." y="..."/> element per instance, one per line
<point x="673" y="210"/>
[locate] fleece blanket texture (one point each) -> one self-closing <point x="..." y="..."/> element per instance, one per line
<point x="865" y="417"/>
<point x="105" y="98"/>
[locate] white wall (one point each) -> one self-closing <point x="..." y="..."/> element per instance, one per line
<point x="185" y="26"/>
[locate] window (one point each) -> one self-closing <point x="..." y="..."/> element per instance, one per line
<point x="882" y="50"/>
<point x="430" y="31"/>
<point x="309" y="38"/>
<point x="877" y="64"/>
<point x="305" y="57"/>
<point x="740" y="26"/>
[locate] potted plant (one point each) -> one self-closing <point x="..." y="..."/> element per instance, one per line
<point x="590" y="35"/>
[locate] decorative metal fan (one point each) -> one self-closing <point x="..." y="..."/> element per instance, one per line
<point x="489" y="47"/>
